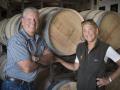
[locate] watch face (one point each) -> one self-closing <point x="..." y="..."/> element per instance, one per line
<point x="35" y="59"/>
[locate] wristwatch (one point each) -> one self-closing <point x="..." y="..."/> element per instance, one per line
<point x="35" y="59"/>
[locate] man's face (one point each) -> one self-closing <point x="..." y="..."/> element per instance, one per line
<point x="30" y="22"/>
<point x="90" y="32"/>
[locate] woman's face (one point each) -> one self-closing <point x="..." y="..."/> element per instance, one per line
<point x="90" y="32"/>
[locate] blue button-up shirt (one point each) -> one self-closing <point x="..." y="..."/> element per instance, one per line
<point x="21" y="47"/>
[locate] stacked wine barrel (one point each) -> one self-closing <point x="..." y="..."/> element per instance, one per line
<point x="109" y="25"/>
<point x="62" y="31"/>
<point x="61" y="28"/>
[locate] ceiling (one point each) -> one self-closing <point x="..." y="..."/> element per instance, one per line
<point x="12" y="7"/>
<point x="36" y="3"/>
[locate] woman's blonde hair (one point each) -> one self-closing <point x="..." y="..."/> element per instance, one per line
<point x="90" y="22"/>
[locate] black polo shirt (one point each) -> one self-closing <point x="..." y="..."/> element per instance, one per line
<point x="92" y="65"/>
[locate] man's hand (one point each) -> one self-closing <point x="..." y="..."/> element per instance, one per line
<point x="46" y="58"/>
<point x="46" y="51"/>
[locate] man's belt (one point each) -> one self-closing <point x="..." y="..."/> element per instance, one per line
<point x="16" y="80"/>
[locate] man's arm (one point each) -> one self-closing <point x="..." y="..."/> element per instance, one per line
<point x="27" y="66"/>
<point x="31" y="65"/>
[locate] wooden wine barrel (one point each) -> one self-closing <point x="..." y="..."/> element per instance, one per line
<point x="109" y="24"/>
<point x="61" y="27"/>
<point x="8" y="27"/>
<point x="13" y="26"/>
<point x="65" y="85"/>
<point x="3" y="38"/>
<point x="63" y="31"/>
<point x="85" y="13"/>
<point x="3" y="60"/>
<point x="42" y="16"/>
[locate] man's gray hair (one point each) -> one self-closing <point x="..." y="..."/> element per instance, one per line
<point x="29" y="9"/>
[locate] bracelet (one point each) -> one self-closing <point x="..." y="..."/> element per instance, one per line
<point x="110" y="80"/>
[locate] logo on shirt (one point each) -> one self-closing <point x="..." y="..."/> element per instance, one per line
<point x="96" y="60"/>
<point x="81" y="57"/>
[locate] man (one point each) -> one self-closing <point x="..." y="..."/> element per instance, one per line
<point x="91" y="56"/>
<point x="26" y="51"/>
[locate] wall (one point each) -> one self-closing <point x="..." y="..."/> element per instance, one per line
<point x="108" y="3"/>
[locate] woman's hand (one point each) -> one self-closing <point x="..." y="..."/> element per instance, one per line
<point x="102" y="81"/>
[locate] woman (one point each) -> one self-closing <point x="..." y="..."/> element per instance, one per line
<point x="91" y="57"/>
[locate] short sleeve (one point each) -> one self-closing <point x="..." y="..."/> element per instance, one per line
<point x="76" y="60"/>
<point x="112" y="54"/>
<point x="17" y="50"/>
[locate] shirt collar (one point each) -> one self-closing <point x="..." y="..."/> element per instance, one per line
<point x="96" y="44"/>
<point x="36" y="36"/>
